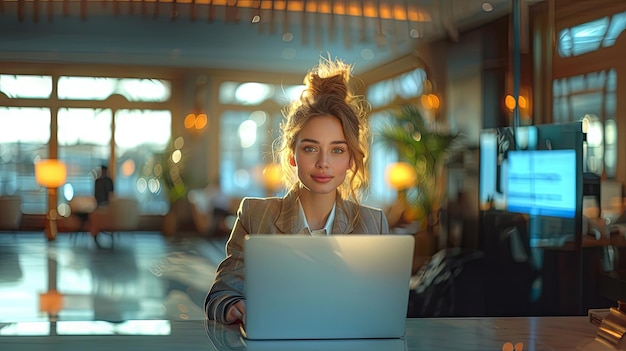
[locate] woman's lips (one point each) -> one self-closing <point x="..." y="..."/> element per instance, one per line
<point x="322" y="178"/>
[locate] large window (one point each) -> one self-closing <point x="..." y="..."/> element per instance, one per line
<point x="247" y="152"/>
<point x="84" y="137"/>
<point x="591" y="97"/>
<point x="141" y="136"/>
<point x="101" y="88"/>
<point x="591" y="36"/>
<point x="95" y="117"/>
<point x="381" y="192"/>
<point x="247" y="129"/>
<point x="406" y="86"/>
<point x="24" y="138"/>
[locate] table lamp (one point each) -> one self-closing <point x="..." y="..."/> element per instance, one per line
<point x="272" y="178"/>
<point x="401" y="176"/>
<point x="51" y="174"/>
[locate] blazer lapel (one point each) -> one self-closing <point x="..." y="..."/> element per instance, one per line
<point x="289" y="221"/>
<point x="344" y="214"/>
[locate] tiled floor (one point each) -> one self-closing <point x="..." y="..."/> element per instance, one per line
<point x="142" y="276"/>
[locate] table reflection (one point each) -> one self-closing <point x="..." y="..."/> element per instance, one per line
<point x="228" y="338"/>
<point x="130" y="327"/>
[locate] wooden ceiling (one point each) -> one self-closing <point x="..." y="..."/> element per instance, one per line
<point x="285" y="36"/>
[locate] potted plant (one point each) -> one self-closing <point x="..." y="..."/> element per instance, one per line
<point x="175" y="180"/>
<point x="426" y="146"/>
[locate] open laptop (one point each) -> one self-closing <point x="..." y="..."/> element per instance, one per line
<point x="326" y="287"/>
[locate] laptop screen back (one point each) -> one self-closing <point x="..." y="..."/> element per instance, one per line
<point x="329" y="287"/>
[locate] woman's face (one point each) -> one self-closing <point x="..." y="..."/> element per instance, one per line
<point x="321" y="155"/>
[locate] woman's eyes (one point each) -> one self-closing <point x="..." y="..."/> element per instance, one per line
<point x="336" y="150"/>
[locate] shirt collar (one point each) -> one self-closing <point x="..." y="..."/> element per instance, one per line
<point x="327" y="227"/>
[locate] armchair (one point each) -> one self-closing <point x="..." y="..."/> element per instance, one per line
<point x="121" y="214"/>
<point x="10" y="212"/>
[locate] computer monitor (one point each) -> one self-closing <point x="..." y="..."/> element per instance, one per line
<point x="542" y="182"/>
<point x="551" y="150"/>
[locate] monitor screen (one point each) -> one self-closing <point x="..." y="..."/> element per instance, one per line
<point x="542" y="182"/>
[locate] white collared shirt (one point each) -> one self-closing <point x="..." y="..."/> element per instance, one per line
<point x="329" y="222"/>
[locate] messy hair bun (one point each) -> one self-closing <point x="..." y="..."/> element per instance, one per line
<point x="335" y="85"/>
<point x="327" y="92"/>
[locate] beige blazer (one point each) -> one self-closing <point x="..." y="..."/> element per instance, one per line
<point x="277" y="216"/>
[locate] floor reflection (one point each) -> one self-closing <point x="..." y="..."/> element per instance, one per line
<point x="144" y="276"/>
<point x="132" y="327"/>
<point x="10" y="269"/>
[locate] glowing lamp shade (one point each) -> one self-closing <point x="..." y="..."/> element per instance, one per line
<point x="272" y="177"/>
<point x="51" y="302"/>
<point x="50" y="173"/>
<point x="401" y="175"/>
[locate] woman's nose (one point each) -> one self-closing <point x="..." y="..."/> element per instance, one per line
<point x="322" y="161"/>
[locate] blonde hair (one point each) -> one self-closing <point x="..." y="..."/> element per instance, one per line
<point x="327" y="92"/>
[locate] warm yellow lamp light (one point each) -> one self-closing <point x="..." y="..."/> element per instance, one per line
<point x="272" y="177"/>
<point x="51" y="302"/>
<point x="430" y="101"/>
<point x="51" y="174"/>
<point x="196" y="122"/>
<point x="511" y="103"/>
<point x="401" y="175"/>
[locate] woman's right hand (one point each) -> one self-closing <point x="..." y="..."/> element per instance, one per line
<point x="237" y="312"/>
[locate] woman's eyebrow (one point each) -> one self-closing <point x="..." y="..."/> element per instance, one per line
<point x="317" y="142"/>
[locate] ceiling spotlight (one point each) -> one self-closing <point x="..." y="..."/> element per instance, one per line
<point x="487" y="7"/>
<point x="256" y="19"/>
<point x="287" y="37"/>
<point x="367" y="54"/>
<point x="415" y="34"/>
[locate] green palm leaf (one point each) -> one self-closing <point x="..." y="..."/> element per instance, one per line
<point x="425" y="147"/>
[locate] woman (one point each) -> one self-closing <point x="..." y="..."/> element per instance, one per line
<point x="323" y="150"/>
